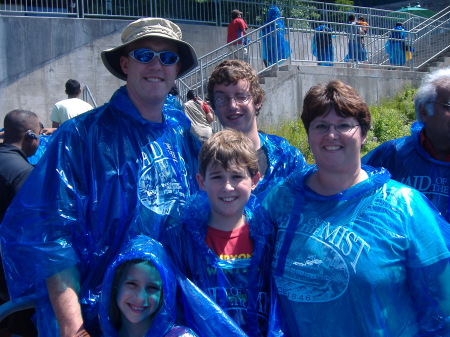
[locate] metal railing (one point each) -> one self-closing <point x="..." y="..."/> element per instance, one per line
<point x="430" y="40"/>
<point x="87" y="95"/>
<point x="213" y="12"/>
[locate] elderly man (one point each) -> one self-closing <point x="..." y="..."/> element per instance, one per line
<point x="112" y="173"/>
<point x="422" y="160"/>
<point x="236" y="97"/>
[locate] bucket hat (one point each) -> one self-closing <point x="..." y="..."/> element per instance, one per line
<point x="144" y="28"/>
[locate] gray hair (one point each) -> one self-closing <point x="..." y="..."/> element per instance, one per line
<point x="427" y="92"/>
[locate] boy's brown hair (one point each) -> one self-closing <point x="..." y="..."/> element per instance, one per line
<point x="230" y="72"/>
<point x="228" y="148"/>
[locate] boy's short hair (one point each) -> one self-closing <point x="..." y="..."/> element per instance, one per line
<point x="228" y="148"/>
<point x="230" y="72"/>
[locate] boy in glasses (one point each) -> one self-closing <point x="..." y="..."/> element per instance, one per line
<point x="222" y="244"/>
<point x="236" y="97"/>
<point x="119" y="170"/>
<point x="422" y="160"/>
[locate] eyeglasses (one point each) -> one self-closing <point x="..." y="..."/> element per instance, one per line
<point x="444" y="105"/>
<point x="341" y="127"/>
<point x="168" y="58"/>
<point x="239" y="99"/>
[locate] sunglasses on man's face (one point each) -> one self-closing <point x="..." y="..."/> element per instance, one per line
<point x="142" y="55"/>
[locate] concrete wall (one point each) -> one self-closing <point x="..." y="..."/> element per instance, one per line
<point x="38" y="55"/>
<point x="285" y="94"/>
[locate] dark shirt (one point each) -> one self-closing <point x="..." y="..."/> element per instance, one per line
<point x="14" y="170"/>
<point x="263" y="162"/>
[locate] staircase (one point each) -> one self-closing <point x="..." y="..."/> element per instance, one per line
<point x="430" y="38"/>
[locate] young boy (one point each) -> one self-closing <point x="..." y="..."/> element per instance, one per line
<point x="222" y="245"/>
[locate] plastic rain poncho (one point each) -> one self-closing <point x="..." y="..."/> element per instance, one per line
<point x="322" y="45"/>
<point x="274" y="46"/>
<point x="395" y="46"/>
<point x="145" y="248"/>
<point x="44" y="141"/>
<point x="241" y="287"/>
<point x="409" y="163"/>
<point x="107" y="176"/>
<point x="369" y="261"/>
<point x="283" y="159"/>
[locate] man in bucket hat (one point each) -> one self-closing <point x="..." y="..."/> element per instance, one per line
<point x="119" y="170"/>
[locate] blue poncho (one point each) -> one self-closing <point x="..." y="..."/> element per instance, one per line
<point x="145" y="248"/>
<point x="369" y="261"/>
<point x="409" y="163"/>
<point x="202" y="315"/>
<point x="107" y="176"/>
<point x="283" y="159"/>
<point x="322" y="45"/>
<point x="395" y="46"/>
<point x="241" y="287"/>
<point x="274" y="46"/>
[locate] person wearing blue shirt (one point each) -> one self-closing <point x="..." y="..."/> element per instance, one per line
<point x="117" y="171"/>
<point x="236" y="97"/>
<point x="356" y="253"/>
<point x="422" y="160"/>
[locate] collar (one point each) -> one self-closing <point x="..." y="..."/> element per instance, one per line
<point x="426" y="144"/>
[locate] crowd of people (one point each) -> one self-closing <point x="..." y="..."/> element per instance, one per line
<point x="141" y="220"/>
<point x="275" y="47"/>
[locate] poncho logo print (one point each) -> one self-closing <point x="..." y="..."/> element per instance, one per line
<point x="319" y="269"/>
<point x="163" y="178"/>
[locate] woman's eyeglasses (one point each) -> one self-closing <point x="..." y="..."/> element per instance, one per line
<point x="239" y="99"/>
<point x="168" y="58"/>
<point x="341" y="127"/>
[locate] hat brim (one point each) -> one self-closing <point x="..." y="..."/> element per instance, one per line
<point x="111" y="57"/>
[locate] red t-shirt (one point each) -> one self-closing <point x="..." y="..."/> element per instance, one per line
<point x="235" y="244"/>
<point x="426" y="144"/>
<point x="236" y="29"/>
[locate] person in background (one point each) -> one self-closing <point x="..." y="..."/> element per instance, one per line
<point x="70" y="107"/>
<point x="396" y="45"/>
<point x="422" y="160"/>
<point x="322" y="45"/>
<point x="222" y="232"/>
<point x="237" y="28"/>
<point x="365" y="251"/>
<point x="21" y="140"/>
<point x="120" y="170"/>
<point x="352" y="34"/>
<point x="362" y="31"/>
<point x="200" y="115"/>
<point x="172" y="99"/>
<point x="237" y="97"/>
<point x="274" y="46"/>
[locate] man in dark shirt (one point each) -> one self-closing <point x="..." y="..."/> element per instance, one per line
<point x="21" y="140"/>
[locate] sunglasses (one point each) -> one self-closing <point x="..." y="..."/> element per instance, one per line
<point x="168" y="58"/>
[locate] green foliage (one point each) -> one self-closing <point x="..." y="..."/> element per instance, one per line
<point x="391" y="119"/>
